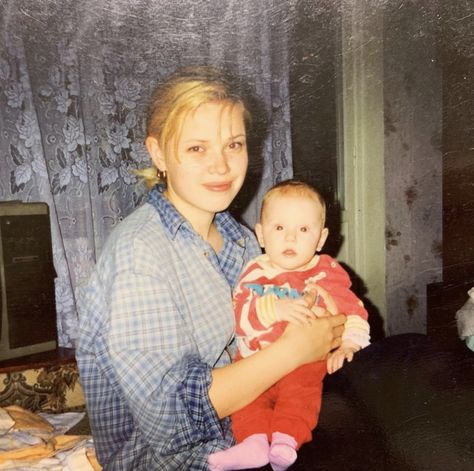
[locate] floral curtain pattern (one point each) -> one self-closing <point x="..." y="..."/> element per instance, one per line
<point x="74" y="80"/>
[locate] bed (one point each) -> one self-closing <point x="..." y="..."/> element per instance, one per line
<point x="43" y="422"/>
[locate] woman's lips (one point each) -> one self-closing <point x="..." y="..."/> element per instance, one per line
<point x="218" y="186"/>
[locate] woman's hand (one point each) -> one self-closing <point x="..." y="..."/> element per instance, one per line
<point x="314" y="340"/>
<point x="236" y="385"/>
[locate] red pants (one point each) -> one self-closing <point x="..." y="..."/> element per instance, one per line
<point x="290" y="406"/>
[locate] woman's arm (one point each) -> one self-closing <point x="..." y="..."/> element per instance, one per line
<point x="236" y="385"/>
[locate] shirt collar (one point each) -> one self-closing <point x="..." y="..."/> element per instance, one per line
<point x="230" y="228"/>
<point x="173" y="220"/>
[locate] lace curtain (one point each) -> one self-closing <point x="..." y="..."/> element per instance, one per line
<point x="75" y="76"/>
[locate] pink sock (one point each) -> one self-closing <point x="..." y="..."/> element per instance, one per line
<point x="282" y="451"/>
<point x="251" y="453"/>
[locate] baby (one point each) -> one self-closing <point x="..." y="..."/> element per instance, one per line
<point x="277" y="288"/>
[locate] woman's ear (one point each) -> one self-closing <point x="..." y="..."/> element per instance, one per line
<point x="322" y="239"/>
<point x="156" y="155"/>
<point x="259" y="234"/>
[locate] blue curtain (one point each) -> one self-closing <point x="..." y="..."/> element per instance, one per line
<point x="75" y="76"/>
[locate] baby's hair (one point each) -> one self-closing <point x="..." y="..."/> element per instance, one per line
<point x="181" y="94"/>
<point x="297" y="188"/>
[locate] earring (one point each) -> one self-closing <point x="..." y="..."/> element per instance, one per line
<point x="161" y="174"/>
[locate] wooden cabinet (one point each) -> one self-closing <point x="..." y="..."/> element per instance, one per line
<point x="46" y="381"/>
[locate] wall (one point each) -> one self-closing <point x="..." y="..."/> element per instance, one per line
<point x="413" y="162"/>
<point x="412" y="109"/>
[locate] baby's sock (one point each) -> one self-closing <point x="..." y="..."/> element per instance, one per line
<point x="251" y="453"/>
<point x="282" y="451"/>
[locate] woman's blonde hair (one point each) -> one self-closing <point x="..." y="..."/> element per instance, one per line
<point x="175" y="98"/>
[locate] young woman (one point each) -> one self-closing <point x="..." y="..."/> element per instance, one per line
<point x="156" y="317"/>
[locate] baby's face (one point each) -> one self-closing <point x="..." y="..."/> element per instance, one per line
<point x="291" y="230"/>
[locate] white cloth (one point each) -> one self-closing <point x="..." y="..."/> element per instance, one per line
<point x="72" y="459"/>
<point x="465" y="317"/>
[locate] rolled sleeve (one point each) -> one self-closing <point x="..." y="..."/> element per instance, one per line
<point x="173" y="414"/>
<point x="197" y="419"/>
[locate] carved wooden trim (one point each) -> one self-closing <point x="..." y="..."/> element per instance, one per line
<point x="43" y="389"/>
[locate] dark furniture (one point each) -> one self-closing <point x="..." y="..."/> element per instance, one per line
<point x="403" y="404"/>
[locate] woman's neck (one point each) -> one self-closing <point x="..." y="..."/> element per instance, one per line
<point x="203" y="226"/>
<point x="209" y="232"/>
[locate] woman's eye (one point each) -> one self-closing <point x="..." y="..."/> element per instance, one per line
<point x="236" y="145"/>
<point x="195" y="149"/>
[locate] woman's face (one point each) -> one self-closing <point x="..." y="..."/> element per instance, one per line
<point x="211" y="162"/>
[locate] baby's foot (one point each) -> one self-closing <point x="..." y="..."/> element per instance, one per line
<point x="251" y="453"/>
<point x="282" y="451"/>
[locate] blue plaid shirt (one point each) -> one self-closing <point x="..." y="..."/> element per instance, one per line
<point x="154" y="318"/>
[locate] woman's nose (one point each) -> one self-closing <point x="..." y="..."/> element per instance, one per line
<point x="219" y="163"/>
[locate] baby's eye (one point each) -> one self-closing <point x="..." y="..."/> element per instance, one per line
<point x="278" y="227"/>
<point x="304" y="229"/>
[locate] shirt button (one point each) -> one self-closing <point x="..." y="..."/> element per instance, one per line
<point x="206" y="254"/>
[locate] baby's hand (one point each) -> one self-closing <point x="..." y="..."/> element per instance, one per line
<point x="320" y="311"/>
<point x="293" y="310"/>
<point x="344" y="352"/>
<point x="312" y="292"/>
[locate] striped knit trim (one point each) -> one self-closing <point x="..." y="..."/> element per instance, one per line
<point x="357" y="330"/>
<point x="265" y="306"/>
